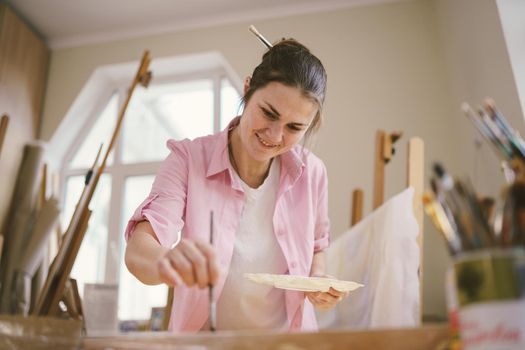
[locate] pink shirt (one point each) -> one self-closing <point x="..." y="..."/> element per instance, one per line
<point x="197" y="177"/>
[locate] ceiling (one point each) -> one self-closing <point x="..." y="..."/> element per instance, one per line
<point x="68" y="23"/>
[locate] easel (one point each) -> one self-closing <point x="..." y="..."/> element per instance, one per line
<point x="4" y="122"/>
<point x="54" y="289"/>
<point x="384" y="151"/>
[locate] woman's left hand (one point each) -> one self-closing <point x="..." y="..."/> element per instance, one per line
<point x="325" y="300"/>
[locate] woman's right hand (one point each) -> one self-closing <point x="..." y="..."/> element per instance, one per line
<point x="190" y="262"/>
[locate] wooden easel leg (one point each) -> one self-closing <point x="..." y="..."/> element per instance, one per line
<point x="357" y="207"/>
<point x="379" y="170"/>
<point x="415" y="179"/>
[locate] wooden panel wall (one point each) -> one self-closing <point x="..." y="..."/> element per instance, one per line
<point x="23" y="67"/>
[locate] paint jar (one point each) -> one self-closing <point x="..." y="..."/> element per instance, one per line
<point x="487" y="289"/>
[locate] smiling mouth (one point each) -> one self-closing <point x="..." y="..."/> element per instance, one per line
<point x="265" y="143"/>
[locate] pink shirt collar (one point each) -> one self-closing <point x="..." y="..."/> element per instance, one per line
<point x="292" y="163"/>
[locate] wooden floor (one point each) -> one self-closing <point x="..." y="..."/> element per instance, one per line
<point x="427" y="337"/>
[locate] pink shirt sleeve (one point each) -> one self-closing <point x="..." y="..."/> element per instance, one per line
<point x="322" y="222"/>
<point x="165" y="205"/>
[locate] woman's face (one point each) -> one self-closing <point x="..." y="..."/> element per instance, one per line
<point x="274" y="120"/>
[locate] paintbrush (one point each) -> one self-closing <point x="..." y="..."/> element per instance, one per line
<point x="436" y="212"/>
<point x="496" y="131"/>
<point x="454" y="195"/>
<point x="481" y="225"/>
<point x="212" y="304"/>
<point x="513" y="226"/>
<point x="503" y="150"/>
<point x="514" y="139"/>
<point x="260" y="37"/>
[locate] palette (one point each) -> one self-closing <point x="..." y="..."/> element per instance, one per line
<point x="301" y="283"/>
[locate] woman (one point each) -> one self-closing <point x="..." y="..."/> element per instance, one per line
<point x="269" y="197"/>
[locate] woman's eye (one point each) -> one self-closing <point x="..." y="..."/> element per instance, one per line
<point x="268" y="114"/>
<point x="294" y="127"/>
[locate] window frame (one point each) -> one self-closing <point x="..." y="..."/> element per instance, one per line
<point x="119" y="171"/>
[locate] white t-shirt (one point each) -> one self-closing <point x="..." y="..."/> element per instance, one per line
<point x="244" y="304"/>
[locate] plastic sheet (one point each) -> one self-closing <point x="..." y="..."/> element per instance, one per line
<point x="35" y="333"/>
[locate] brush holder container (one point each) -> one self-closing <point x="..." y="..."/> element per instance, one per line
<point x="486" y="299"/>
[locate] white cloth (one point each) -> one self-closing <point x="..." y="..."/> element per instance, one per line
<point x="244" y="304"/>
<point x="381" y="252"/>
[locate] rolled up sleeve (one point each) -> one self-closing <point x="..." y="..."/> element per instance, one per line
<point x="322" y="222"/>
<point x="165" y="205"/>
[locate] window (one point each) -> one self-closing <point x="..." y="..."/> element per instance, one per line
<point x="176" y="108"/>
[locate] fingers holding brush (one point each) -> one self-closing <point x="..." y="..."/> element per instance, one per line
<point x="190" y="263"/>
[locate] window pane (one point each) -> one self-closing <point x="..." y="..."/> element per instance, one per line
<point x="101" y="132"/>
<point x="90" y="263"/>
<point x="230" y="102"/>
<point x="160" y="112"/>
<point x="136" y="299"/>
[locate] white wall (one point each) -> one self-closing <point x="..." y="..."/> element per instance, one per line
<point x="478" y="66"/>
<point x="392" y="66"/>
<point x="512" y="15"/>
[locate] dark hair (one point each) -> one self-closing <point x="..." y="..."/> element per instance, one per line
<point x="292" y="64"/>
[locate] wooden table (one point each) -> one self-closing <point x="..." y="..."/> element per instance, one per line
<point x="430" y="337"/>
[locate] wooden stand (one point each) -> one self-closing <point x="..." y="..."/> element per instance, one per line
<point x="357" y="207"/>
<point x="415" y="179"/>
<point x="4" y="122"/>
<point x="383" y="153"/>
<point x="59" y="271"/>
<point x="384" y="150"/>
